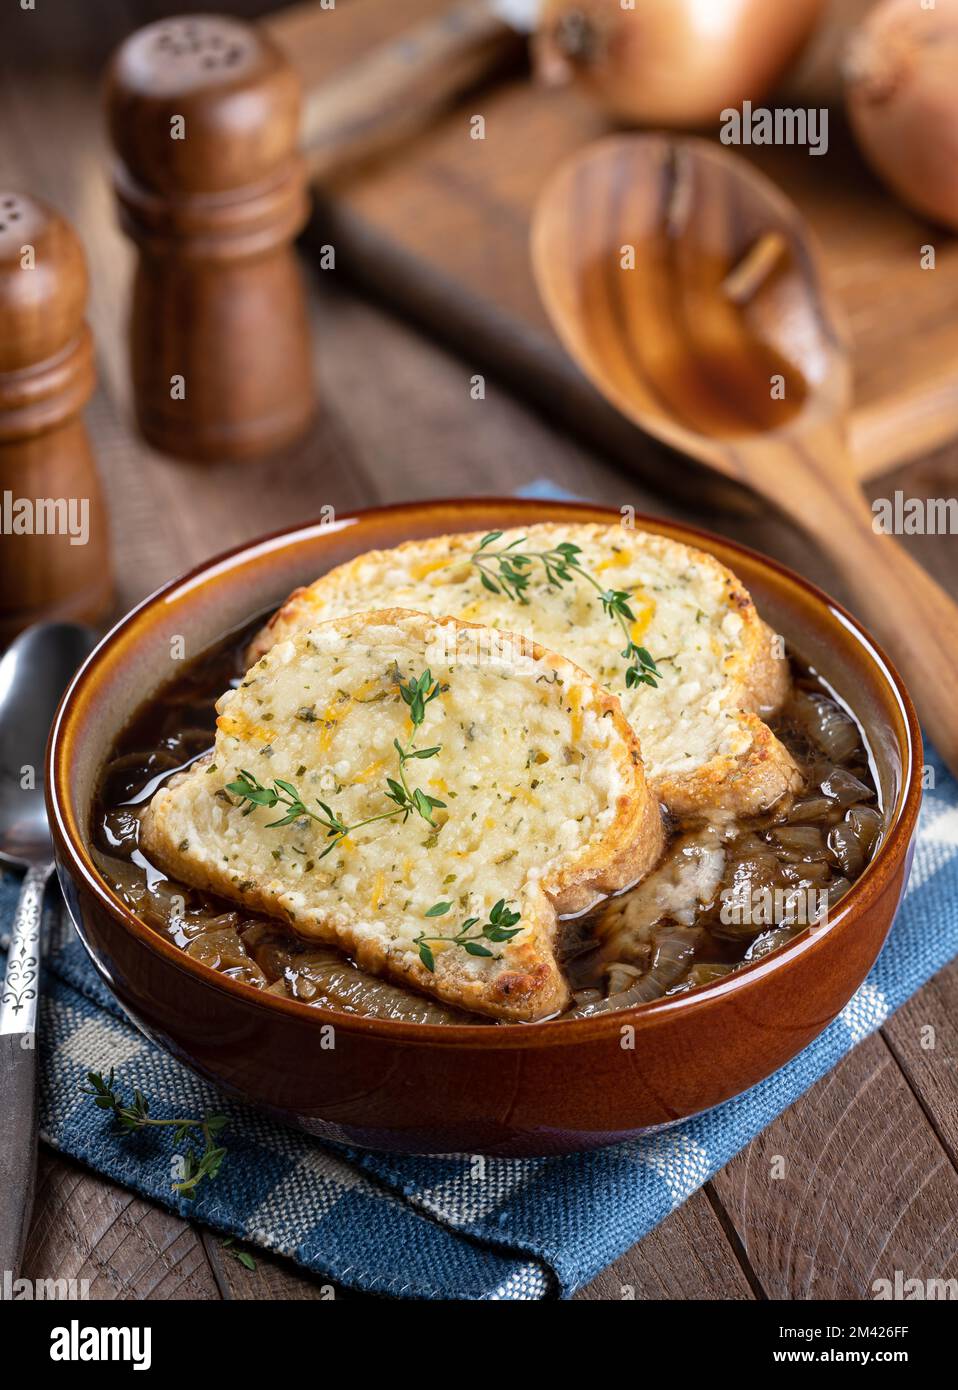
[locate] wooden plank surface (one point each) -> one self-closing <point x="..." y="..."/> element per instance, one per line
<point x="850" y="1185"/>
<point x="441" y="227"/>
<point x="869" y="1153"/>
<point x="88" y="1229"/>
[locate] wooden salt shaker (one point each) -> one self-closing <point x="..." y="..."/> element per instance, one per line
<point x="204" y="115"/>
<point x="54" y="550"/>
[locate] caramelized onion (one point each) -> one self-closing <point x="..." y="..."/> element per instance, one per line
<point x="845" y="789"/>
<point x="326" y="978"/>
<point x="674" y="951"/>
<point x="224" y="951"/>
<point x="671" y="62"/>
<point x="620" y="977"/>
<point x="809" y="808"/>
<point x="768" y="942"/>
<point x="803" y="873"/>
<point x="847" y="848"/>
<point x="124" y="878"/>
<point x="751" y="875"/>
<point x="867" y="824"/>
<point x="804" y="840"/>
<point x="826" y="724"/>
<point x="837" y="890"/>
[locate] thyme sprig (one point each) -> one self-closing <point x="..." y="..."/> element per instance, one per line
<point x="507" y="571"/>
<point x="133" y="1115"/>
<point x="417" y="693"/>
<point x="500" y="927"/>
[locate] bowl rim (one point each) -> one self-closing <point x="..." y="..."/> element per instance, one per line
<point x="73" y="858"/>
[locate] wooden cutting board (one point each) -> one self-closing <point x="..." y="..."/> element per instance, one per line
<point x="440" y="228"/>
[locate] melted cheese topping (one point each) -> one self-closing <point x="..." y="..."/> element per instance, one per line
<point x="323" y="712"/>
<point x="686" y="881"/>
<point x="691" y="613"/>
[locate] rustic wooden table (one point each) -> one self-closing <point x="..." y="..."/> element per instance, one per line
<point x="869" y="1156"/>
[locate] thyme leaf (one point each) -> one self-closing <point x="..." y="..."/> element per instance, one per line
<point x="507" y="571"/>
<point x="501" y="926"/>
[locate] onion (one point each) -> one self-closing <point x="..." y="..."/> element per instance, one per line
<point x="810" y="808"/>
<point x="675" y="949"/>
<point x="801" y="839"/>
<point x="687" y="880"/>
<point x="837" y="890"/>
<point x="620" y="977"/>
<point x="826" y="724"/>
<point x="324" y="977"/>
<point x="847" y="848"/>
<point x="671" y="62"/>
<point x="223" y="950"/>
<point x="867" y="824"/>
<point x="768" y="942"/>
<point x="124" y="878"/>
<point x="843" y="787"/>
<point x="903" y="102"/>
<point x="816" y="873"/>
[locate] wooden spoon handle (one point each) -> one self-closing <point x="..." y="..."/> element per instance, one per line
<point x="913" y="618"/>
<point x="916" y="622"/>
<point x="395" y="89"/>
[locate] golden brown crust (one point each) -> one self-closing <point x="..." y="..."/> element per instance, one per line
<point x="768" y="678"/>
<point x="766" y="776"/>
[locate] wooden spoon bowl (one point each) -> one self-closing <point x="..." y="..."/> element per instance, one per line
<point x="691" y="293"/>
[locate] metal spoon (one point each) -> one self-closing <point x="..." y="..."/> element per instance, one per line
<point x="651" y="256"/>
<point x="34" y="672"/>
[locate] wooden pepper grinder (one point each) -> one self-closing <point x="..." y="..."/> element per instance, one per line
<point x="54" y="550"/>
<point x="204" y="114"/>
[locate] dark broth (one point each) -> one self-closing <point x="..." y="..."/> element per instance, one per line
<point x="675" y="930"/>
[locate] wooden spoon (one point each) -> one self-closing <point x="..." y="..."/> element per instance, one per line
<point x="691" y="293"/>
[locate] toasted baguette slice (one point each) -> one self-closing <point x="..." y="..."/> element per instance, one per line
<point x="544" y="802"/>
<point x="703" y="740"/>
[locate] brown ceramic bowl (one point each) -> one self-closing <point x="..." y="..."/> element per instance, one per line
<point x="521" y="1090"/>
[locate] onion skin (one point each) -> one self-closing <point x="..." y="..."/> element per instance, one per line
<point x="671" y="62"/>
<point x="902" y="99"/>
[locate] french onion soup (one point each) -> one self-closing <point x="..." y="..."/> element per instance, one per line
<point x="368" y="825"/>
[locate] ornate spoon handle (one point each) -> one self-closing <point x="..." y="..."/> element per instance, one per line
<point x="18" y="1070"/>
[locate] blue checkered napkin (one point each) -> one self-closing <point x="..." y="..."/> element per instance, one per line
<point x="442" y="1228"/>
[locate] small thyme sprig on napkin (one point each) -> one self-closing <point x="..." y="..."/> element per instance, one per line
<point x="500" y="927"/>
<point x="417" y="693"/>
<point x="134" y="1115"/>
<point x="506" y="571"/>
